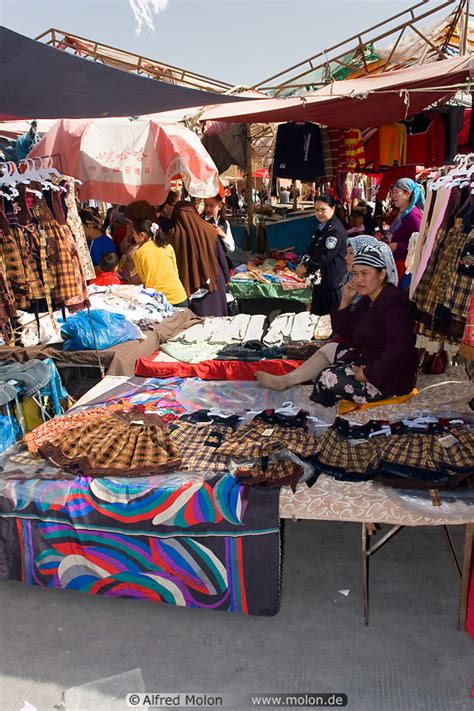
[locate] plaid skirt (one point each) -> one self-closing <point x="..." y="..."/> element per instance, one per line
<point x="115" y="445"/>
<point x="422" y="461"/>
<point x="271" y="474"/>
<point x="198" y="447"/>
<point x="346" y="459"/>
<point x="260" y="439"/>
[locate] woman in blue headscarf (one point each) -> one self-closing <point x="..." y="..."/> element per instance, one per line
<point x="409" y="199"/>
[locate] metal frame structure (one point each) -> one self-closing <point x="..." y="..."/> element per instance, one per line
<point x="130" y="62"/>
<point x="355" y="47"/>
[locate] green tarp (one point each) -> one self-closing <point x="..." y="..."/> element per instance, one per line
<point x="258" y="290"/>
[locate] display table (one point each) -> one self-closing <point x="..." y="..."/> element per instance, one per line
<point x="258" y="290"/>
<point x="186" y="538"/>
<point x="372" y="504"/>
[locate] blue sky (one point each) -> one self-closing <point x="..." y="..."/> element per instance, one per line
<point x="238" y="41"/>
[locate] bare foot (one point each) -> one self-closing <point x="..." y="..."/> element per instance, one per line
<point x="273" y="382"/>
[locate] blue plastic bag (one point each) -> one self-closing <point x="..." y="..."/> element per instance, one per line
<point x="108" y="329"/>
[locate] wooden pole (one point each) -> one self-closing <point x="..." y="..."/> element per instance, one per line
<point x="248" y="190"/>
<point x="295" y="198"/>
<point x="463" y="49"/>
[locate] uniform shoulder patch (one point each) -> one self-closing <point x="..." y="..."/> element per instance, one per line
<point x="331" y="242"/>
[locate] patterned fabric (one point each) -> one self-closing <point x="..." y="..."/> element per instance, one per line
<point x="204" y="544"/>
<point x="433" y="455"/>
<point x="301" y="351"/>
<point x="455" y="286"/>
<point x="70" y="288"/>
<point x="273" y="474"/>
<point x="444" y="292"/>
<point x="77" y="229"/>
<point x="7" y="303"/>
<point x="421" y="461"/>
<point x="342" y="459"/>
<point x="331" y="500"/>
<point x="81" y="298"/>
<point x="120" y="445"/>
<point x="198" y="443"/>
<point x="65" y="285"/>
<point x="270" y="433"/>
<point x="51" y="429"/>
<point x="460" y="456"/>
<point x="338" y="382"/>
<point x="354" y="148"/>
<point x="25" y="282"/>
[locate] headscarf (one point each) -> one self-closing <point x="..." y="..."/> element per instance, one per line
<point x="361" y="242"/>
<point x="195" y="244"/>
<point x="370" y="257"/>
<point x="417" y="195"/>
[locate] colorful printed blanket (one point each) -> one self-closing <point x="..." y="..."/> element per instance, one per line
<point x="185" y="541"/>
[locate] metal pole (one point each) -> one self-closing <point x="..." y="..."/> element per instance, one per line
<point x="249" y="185"/>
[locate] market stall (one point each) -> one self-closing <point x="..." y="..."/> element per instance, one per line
<point x="170" y="489"/>
<point x="272" y="278"/>
<point x="192" y="533"/>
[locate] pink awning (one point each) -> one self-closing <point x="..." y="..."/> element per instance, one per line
<point x="358" y="103"/>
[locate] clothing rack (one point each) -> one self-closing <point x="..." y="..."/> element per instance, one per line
<point x="27" y="247"/>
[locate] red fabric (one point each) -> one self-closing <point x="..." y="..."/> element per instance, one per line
<point x="428" y="148"/>
<point x="119" y="235"/>
<point x="401" y="268"/>
<point x="106" y="279"/>
<point x="339" y="104"/>
<point x="470" y="602"/>
<point x="338" y="151"/>
<point x="463" y="136"/>
<point x="213" y="369"/>
<point x="391" y="176"/>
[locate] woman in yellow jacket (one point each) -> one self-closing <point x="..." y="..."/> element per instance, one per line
<point x="155" y="262"/>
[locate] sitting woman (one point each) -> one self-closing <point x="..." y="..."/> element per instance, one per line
<point x="377" y="358"/>
<point x="201" y="261"/>
<point x="355" y="245"/>
<point x="155" y="262"/>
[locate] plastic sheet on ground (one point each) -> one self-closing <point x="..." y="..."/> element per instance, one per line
<point x="107" y="694"/>
<point x="453" y="502"/>
<point x="240" y="396"/>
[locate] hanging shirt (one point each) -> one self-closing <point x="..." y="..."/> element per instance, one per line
<point x="354" y="148"/>
<point x="100" y="246"/>
<point x="298" y="152"/>
<point x="392" y="144"/>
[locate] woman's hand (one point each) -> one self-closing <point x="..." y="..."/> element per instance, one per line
<point x="359" y="374"/>
<point x="221" y="233"/>
<point x="393" y="246"/>
<point x="301" y="271"/>
<point x="348" y="293"/>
